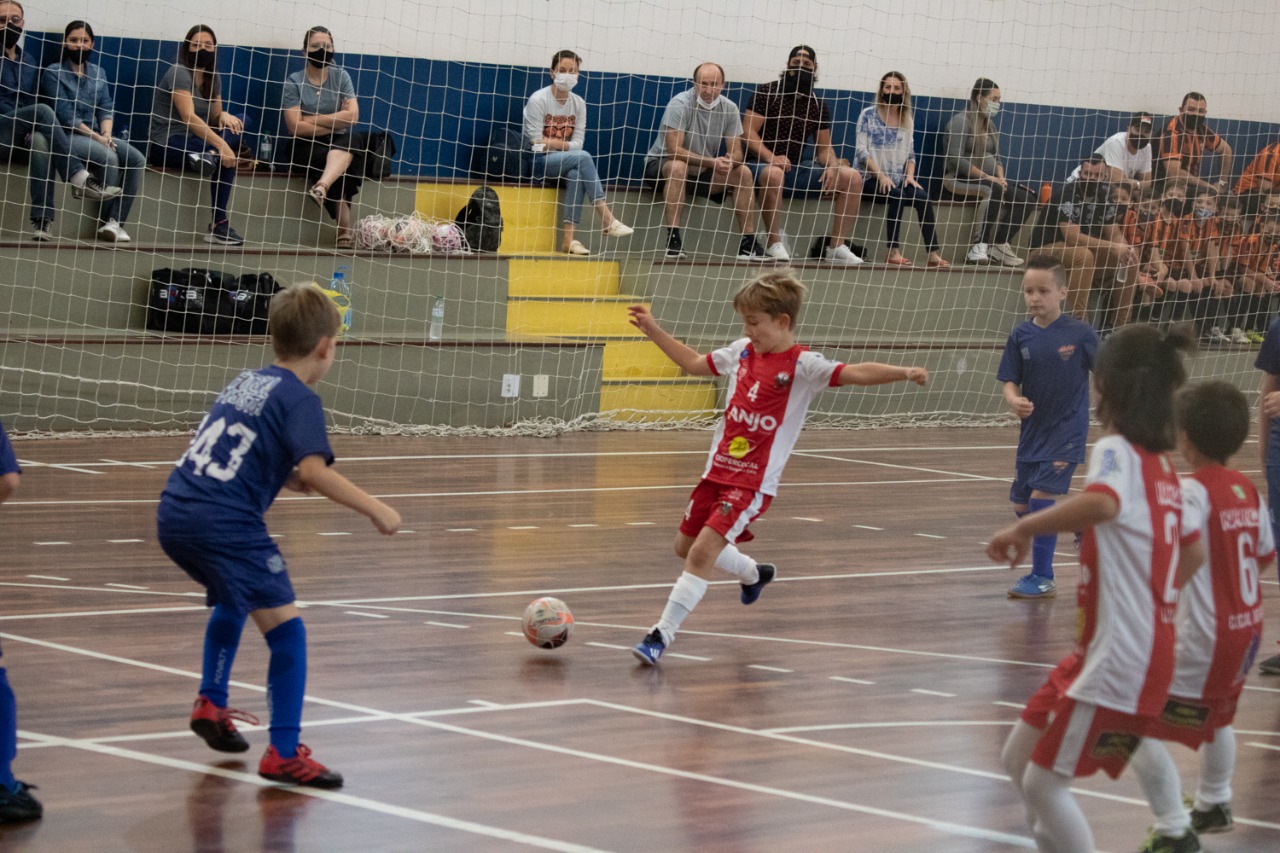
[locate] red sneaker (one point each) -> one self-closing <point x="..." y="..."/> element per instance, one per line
<point x="299" y="770"/>
<point x="214" y="725"/>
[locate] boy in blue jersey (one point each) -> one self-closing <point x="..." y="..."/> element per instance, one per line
<point x="1045" y="374"/>
<point x="266" y="431"/>
<point x="1268" y="361"/>
<point x="16" y="802"/>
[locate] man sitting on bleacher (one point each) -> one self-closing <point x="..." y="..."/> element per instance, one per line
<point x="26" y="124"/>
<point x="1186" y="137"/>
<point x="699" y="151"/>
<point x="1128" y="153"/>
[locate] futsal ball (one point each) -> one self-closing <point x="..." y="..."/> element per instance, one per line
<point x="547" y="623"/>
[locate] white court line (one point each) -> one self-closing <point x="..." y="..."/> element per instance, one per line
<point x="924" y="692"/>
<point x="102" y="589"/>
<point x="608" y="646"/>
<point x="367" y="615"/>
<point x="584" y="525"/>
<point x="448" y="624"/>
<point x="334" y="533"/>
<point x="124" y="541"/>
<point x="524" y="527"/>
<point x="849" y="680"/>
<point x="48" y="578"/>
<point x="867" y="527"/>
<point x="126" y="586"/>
<point x="331" y="796"/>
<point x="893" y="724"/>
<point x="917" y="469"/>
<point x="1271" y="746"/>
<point x="802" y="518"/>
<point x="56" y="542"/>
<point x="768" y="668"/>
<point x="1018" y="705"/>
<point x="462" y="530"/>
<point x="641" y="523"/>
<point x="28" y="463"/>
<point x="123" y="612"/>
<point x="929" y="535"/>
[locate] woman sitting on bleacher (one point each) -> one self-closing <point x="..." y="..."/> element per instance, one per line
<point x="191" y="131"/>
<point x="886" y="154"/>
<point x="80" y="96"/>
<point x="973" y="169"/>
<point x="320" y="108"/>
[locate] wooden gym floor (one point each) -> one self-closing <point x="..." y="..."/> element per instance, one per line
<point x="859" y="705"/>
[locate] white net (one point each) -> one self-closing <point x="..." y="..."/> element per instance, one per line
<point x="446" y="336"/>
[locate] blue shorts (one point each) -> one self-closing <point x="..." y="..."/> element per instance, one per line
<point x="804" y="179"/>
<point x="243" y="576"/>
<point x="1040" y="476"/>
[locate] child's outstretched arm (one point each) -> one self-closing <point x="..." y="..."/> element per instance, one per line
<point x="874" y="373"/>
<point x="686" y="357"/>
<point x="314" y="475"/>
<point x="1011" y="544"/>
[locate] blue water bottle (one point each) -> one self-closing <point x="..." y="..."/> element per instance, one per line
<point x="342" y="287"/>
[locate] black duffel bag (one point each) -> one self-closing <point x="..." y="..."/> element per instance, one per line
<point x="191" y="300"/>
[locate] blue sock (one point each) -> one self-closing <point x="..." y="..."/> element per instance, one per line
<point x="221" y="639"/>
<point x="8" y="731"/>
<point x="286" y="684"/>
<point x="1042" y="547"/>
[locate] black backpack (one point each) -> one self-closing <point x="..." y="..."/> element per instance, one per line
<point x="251" y="301"/>
<point x="481" y="220"/>
<point x="504" y="156"/>
<point x="190" y="300"/>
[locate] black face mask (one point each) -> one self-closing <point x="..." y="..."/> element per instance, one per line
<point x="1192" y="122"/>
<point x="893" y="98"/>
<point x="319" y="58"/>
<point x="797" y="81"/>
<point x="77" y="55"/>
<point x="11" y="36"/>
<point x="206" y="60"/>
<point x="1139" y="142"/>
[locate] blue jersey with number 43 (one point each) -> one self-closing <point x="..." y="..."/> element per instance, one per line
<point x="261" y="426"/>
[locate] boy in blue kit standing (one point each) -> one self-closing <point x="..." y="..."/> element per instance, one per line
<point x="16" y="802"/>
<point x="266" y="431"/>
<point x="1268" y="361"/>
<point x="1045" y="373"/>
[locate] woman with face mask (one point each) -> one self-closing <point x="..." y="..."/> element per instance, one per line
<point x="320" y="107"/>
<point x="191" y="131"/>
<point x="886" y="154"/>
<point x="973" y="169"/>
<point x="555" y="123"/>
<point x="78" y="91"/>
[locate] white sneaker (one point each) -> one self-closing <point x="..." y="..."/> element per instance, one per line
<point x="1216" y="336"/>
<point x="1238" y="336"/>
<point x="617" y="229"/>
<point x="841" y="254"/>
<point x="111" y="232"/>
<point x="778" y="252"/>
<point x="978" y="254"/>
<point x="576" y="248"/>
<point x="1004" y="253"/>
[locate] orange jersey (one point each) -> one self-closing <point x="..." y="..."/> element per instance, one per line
<point x="1135" y="229"/>
<point x="1265" y="166"/>
<point x="1165" y="235"/>
<point x="1231" y="239"/>
<point x="1196" y="236"/>
<point x="1259" y="257"/>
<point x="1187" y="147"/>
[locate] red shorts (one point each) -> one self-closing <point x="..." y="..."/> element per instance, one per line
<point x="725" y="509"/>
<point x="1079" y="738"/>
<point x="1193" y="722"/>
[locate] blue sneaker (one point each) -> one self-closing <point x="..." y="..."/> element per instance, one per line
<point x="1033" y="586"/>
<point x="223" y="235"/>
<point x="649" y="650"/>
<point x="751" y="591"/>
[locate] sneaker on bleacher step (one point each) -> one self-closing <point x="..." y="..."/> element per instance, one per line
<point x="1216" y="818"/>
<point x="576" y="248"/>
<point x="206" y="164"/>
<point x="1033" y="586"/>
<point x="1239" y="337"/>
<point x="1003" y="253"/>
<point x="41" y="231"/>
<point x="17" y="804"/>
<point x="111" y="232"/>
<point x="1270" y="666"/>
<point x="224" y="235"/>
<point x="1186" y="843"/>
<point x="751" y="591"/>
<point x="617" y="229"/>
<point x="1215" y="335"/>
<point x="675" y="246"/>
<point x="841" y="254"/>
<point x="1254" y="336"/>
<point x="778" y="251"/>
<point x="91" y="188"/>
<point x="750" y="249"/>
<point x="978" y="254"/>
<point x="302" y="769"/>
<point x="649" y="650"/>
<point x="215" y="727"/>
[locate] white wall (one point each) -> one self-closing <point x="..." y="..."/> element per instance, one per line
<point x="1125" y="55"/>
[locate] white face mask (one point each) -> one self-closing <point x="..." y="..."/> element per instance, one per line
<point x="566" y="82"/>
<point x="991" y="109"/>
<point x="705" y="105"/>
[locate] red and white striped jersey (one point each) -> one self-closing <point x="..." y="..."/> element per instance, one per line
<point x="1127" y="597"/>
<point x="769" y="396"/>
<point x="1220" y="608"/>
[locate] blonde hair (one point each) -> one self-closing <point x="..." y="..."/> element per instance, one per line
<point x="774" y="293"/>
<point x="300" y="317"/>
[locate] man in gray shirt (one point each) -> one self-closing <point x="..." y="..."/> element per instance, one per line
<point x="699" y="150"/>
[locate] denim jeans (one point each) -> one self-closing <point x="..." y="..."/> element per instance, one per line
<point x="36" y="128"/>
<point x="174" y="156"/>
<point x="121" y="167"/>
<point x="582" y="182"/>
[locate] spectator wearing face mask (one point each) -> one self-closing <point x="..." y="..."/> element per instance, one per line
<point x="1186" y="138"/>
<point x="974" y="169"/>
<point x="782" y="121"/>
<point x="1260" y="179"/>
<point x="1128" y="153"/>
<point x="555" y="124"/>
<point x="1082" y="230"/>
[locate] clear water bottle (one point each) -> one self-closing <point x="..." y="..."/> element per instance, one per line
<point x="123" y="133"/>
<point x="266" y="149"/>
<point x="341" y="288"/>
<point x="435" y="331"/>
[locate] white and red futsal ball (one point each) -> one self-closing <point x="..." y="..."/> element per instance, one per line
<point x="547" y="623"/>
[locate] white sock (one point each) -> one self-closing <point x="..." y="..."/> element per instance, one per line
<point x="685" y="595"/>
<point x="738" y="564"/>
<point x="78" y="179"/>
<point x="1158" y="776"/>
<point x="1217" y="763"/>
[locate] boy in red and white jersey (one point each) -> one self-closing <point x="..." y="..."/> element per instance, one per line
<point x="771" y="382"/>
<point x="1219" y="616"/>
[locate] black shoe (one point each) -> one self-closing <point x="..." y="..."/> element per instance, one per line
<point x="16" y="806"/>
<point x="93" y="189"/>
<point x="1216" y="818"/>
<point x="750" y="249"/>
<point x="41" y="231"/>
<point x="675" y="246"/>
<point x="751" y="591"/>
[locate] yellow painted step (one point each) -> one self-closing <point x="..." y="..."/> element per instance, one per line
<point x="631" y="359"/>
<point x="562" y="278"/>
<point x="528" y="213"/>
<point x="570" y="318"/>
<point x="658" y="400"/>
